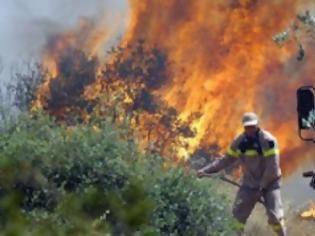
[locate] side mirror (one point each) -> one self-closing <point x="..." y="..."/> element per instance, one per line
<point x="305" y="104"/>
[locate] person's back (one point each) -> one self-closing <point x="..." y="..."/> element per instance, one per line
<point x="258" y="152"/>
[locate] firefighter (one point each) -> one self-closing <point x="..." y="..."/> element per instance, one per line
<point x="258" y="152"/>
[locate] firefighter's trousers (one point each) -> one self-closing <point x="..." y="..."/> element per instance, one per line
<point x="245" y="201"/>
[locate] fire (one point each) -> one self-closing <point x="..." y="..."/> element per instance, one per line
<point x="309" y="213"/>
<point x="222" y="63"/>
<point x="88" y="37"/>
<point x="225" y="63"/>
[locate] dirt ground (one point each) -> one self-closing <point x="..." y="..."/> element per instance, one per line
<point x="257" y="224"/>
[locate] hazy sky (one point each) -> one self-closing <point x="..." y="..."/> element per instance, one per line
<point x="25" y="24"/>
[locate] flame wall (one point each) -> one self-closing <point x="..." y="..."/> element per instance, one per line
<point x="225" y="63"/>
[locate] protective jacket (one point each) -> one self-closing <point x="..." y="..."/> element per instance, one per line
<point x="259" y="156"/>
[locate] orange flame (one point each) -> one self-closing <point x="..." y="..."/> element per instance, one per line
<point x="309" y="213"/>
<point x="88" y="37"/>
<point x="223" y="64"/>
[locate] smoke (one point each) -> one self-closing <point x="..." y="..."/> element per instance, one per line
<point x="224" y="61"/>
<point x="26" y="25"/>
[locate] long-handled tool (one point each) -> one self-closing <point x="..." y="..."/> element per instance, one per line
<point x="227" y="180"/>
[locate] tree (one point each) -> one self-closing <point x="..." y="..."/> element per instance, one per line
<point x="301" y="28"/>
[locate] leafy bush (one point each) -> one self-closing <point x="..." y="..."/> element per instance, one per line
<point x="90" y="179"/>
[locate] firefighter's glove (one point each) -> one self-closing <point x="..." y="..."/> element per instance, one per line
<point x="204" y="172"/>
<point x="201" y="173"/>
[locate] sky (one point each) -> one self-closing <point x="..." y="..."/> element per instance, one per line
<point x="26" y="24"/>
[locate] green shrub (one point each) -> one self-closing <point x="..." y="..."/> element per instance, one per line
<point x="90" y="179"/>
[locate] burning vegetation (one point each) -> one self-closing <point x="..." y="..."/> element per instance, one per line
<point x="122" y="89"/>
<point x="309" y="213"/>
<point x="182" y="79"/>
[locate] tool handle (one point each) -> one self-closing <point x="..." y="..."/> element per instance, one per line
<point x="227" y="180"/>
<point x="223" y="178"/>
<point x="308" y="174"/>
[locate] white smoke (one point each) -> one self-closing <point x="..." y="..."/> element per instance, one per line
<point x="25" y="25"/>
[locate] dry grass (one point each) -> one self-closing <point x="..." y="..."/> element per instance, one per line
<point x="257" y="224"/>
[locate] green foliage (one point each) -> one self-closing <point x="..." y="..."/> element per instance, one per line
<point x="310" y="121"/>
<point x="185" y="206"/>
<point x="301" y="29"/>
<point x="281" y="37"/>
<point x="92" y="179"/>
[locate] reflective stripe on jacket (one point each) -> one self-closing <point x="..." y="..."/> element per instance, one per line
<point x="259" y="157"/>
